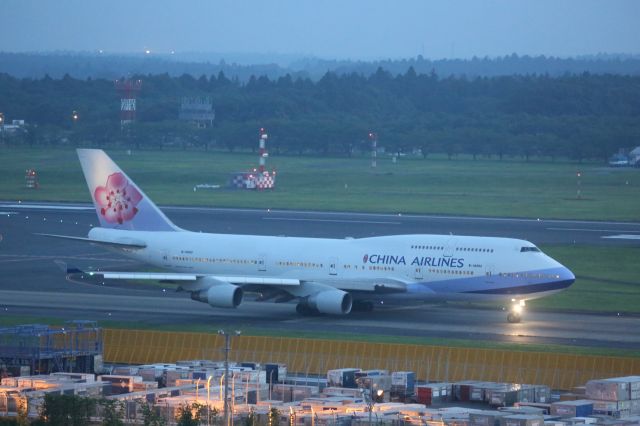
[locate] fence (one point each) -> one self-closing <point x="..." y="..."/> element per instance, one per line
<point x="315" y="356"/>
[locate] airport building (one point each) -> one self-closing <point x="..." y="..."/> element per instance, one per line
<point x="197" y="110"/>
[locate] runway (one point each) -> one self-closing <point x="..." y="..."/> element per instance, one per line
<point x="31" y="284"/>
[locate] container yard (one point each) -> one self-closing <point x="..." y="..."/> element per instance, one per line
<point x="263" y="386"/>
<point x="346" y="396"/>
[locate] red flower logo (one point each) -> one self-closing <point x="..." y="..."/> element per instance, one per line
<point x="117" y="199"/>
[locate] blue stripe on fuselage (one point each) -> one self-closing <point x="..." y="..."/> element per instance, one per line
<point x="517" y="283"/>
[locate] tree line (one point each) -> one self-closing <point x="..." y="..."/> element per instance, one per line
<point x="243" y="66"/>
<point x="585" y="116"/>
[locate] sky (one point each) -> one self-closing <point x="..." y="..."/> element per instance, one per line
<point x="329" y="29"/>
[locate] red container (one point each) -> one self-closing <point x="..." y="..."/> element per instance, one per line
<point x="424" y="395"/>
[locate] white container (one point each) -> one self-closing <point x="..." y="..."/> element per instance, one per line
<point x="608" y="390"/>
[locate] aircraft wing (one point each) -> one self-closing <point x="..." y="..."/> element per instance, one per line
<point x="191" y="282"/>
<point x="330" y="296"/>
<point x="192" y="279"/>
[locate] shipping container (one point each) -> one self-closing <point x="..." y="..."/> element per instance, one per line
<point x="579" y="408"/>
<point x="371" y="373"/>
<point x="275" y="372"/>
<point x="124" y="370"/>
<point x="424" y="395"/>
<point x="524" y="409"/>
<point x="522" y="420"/>
<point x="119" y="384"/>
<point x="461" y="391"/>
<point x="345" y="377"/>
<point x="486" y="418"/>
<point x="608" y="389"/>
<point x="608" y="407"/>
<point x="502" y="397"/>
<point x="289" y="393"/>
<point x="542" y="394"/>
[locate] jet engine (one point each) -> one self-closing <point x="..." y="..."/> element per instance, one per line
<point x="335" y="302"/>
<point x="220" y="294"/>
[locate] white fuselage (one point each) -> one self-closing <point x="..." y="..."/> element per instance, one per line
<point x="430" y="267"/>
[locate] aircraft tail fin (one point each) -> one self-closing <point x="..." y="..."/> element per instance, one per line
<point x="119" y="202"/>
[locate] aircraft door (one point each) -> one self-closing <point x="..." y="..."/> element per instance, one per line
<point x="418" y="273"/>
<point x="449" y="248"/>
<point x="165" y="258"/>
<point x="333" y="266"/>
<point x="262" y="263"/>
<point x="489" y="273"/>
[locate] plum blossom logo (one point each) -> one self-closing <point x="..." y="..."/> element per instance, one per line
<point x="117" y="200"/>
<point x="365" y="258"/>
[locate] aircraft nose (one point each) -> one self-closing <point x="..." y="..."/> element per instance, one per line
<point x="566" y="276"/>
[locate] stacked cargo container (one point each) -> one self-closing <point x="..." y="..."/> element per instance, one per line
<point x="403" y="384"/>
<point x="578" y="408"/>
<point x="617" y="397"/>
<point x="343" y="377"/>
<point x="432" y="392"/>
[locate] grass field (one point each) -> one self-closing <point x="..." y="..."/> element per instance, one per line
<point x="413" y="185"/>
<point x="606" y="280"/>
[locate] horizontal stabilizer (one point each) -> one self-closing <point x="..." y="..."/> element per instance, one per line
<point x="121" y="243"/>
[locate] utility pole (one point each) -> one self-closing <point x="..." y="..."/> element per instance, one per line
<point x="227" y="349"/>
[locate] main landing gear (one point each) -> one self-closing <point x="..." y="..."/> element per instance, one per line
<point x="515" y="312"/>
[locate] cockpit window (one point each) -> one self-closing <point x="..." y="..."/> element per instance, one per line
<point x="533" y="248"/>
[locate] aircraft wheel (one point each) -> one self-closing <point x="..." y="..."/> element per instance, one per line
<point x="514" y="318"/>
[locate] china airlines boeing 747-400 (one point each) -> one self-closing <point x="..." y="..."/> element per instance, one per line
<point x="329" y="276"/>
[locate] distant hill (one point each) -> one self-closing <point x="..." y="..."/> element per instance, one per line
<point x="112" y="66"/>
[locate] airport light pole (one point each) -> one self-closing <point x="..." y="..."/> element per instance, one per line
<point x="209" y="399"/>
<point x="370" y="397"/>
<point x="227" y="349"/>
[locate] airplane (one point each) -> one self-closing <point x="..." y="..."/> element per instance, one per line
<point x="322" y="275"/>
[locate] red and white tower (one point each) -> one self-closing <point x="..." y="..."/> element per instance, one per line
<point x="374" y="149"/>
<point x="128" y="90"/>
<point x="263" y="149"/>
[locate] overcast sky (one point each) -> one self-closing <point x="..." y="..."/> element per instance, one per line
<point x="356" y="29"/>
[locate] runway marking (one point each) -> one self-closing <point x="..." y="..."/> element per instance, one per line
<point x="356" y="214"/>
<point x="588" y="230"/>
<point x="7" y="213"/>
<point x="297" y="219"/>
<point x="622" y="237"/>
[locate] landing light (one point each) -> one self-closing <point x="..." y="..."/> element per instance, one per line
<point x="517" y="309"/>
